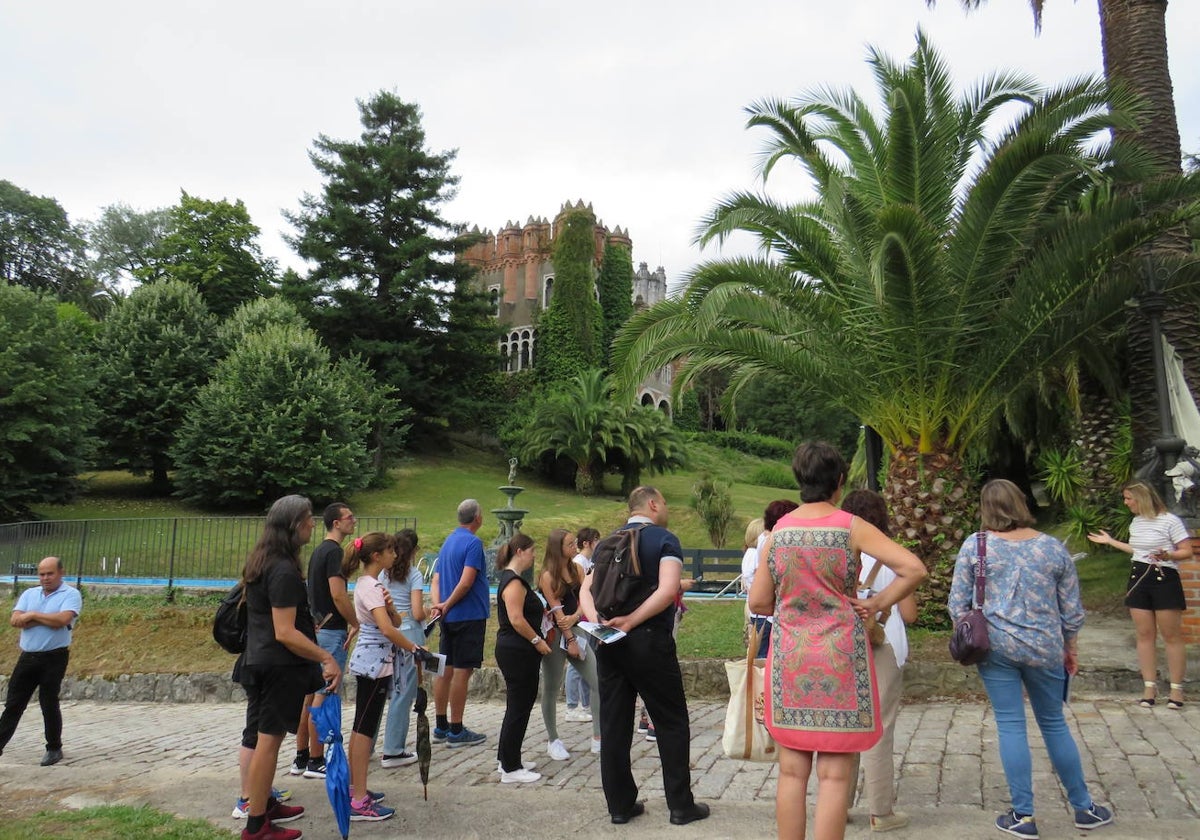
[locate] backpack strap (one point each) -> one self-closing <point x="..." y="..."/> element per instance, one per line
<point x="635" y="564"/>
<point x="980" y="568"/>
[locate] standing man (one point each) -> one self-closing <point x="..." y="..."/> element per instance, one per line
<point x="461" y="599"/>
<point x="645" y="663"/>
<point x="333" y="615"/>
<point x="45" y="617"/>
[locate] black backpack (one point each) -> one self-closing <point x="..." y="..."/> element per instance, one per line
<point x="618" y="587"/>
<point x="229" y="624"/>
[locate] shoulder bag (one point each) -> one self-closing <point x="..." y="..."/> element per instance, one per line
<point x="969" y="644"/>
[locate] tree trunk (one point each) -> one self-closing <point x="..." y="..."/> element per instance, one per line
<point x="933" y="509"/>
<point x="585" y="479"/>
<point x="1133" y="35"/>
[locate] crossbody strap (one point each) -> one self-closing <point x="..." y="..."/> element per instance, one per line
<point x="980" y="568"/>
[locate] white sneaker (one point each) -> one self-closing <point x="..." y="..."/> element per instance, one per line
<point x="596" y="746"/>
<point x="528" y="765"/>
<point x="558" y="750"/>
<point x="521" y="775"/>
<point x="579" y="715"/>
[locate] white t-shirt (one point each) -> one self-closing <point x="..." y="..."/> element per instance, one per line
<point x="585" y="561"/>
<point x="750" y="566"/>
<point x="893" y="628"/>
<point x="1147" y="534"/>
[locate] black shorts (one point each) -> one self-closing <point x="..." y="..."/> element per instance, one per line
<point x="370" y="699"/>
<point x="462" y="643"/>
<point x="275" y="694"/>
<point x="1154" y="588"/>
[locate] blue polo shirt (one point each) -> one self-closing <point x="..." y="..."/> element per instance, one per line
<point x="461" y="550"/>
<point x="656" y="545"/>
<point x="39" y="638"/>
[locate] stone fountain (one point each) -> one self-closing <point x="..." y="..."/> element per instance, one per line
<point x="510" y="516"/>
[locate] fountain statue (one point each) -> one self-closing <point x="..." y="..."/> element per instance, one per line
<point x="510" y="516"/>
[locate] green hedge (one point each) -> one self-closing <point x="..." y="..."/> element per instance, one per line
<point x="762" y="446"/>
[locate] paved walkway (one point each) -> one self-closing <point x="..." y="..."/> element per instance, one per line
<point x="181" y="758"/>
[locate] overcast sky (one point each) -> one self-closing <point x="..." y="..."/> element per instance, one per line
<point x="635" y="107"/>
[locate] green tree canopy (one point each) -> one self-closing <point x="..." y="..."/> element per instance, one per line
<point x="151" y="355"/>
<point x="278" y="417"/>
<point x="384" y="284"/>
<point x="45" y="401"/>
<point x="212" y="245"/>
<point x="124" y="242"/>
<point x="41" y="250"/>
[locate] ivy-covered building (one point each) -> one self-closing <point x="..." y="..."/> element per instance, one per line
<point x="516" y="268"/>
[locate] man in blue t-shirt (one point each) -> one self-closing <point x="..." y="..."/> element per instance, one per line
<point x="461" y="600"/>
<point x="45" y="617"/>
<point x="645" y="663"/>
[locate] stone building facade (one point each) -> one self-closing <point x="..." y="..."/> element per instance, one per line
<point x="515" y="267"/>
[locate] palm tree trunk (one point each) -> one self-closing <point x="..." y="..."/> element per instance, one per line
<point x="1133" y="36"/>
<point x="933" y="509"/>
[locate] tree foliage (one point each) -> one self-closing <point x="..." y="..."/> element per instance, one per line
<point x="212" y="245"/>
<point x="123" y="242"/>
<point x="45" y="401"/>
<point x="384" y="284"/>
<point x="614" y="287"/>
<point x="569" y="331"/>
<point x="580" y="421"/>
<point x="151" y="356"/>
<point x="713" y="503"/>
<point x="278" y="417"/>
<point x="41" y="250"/>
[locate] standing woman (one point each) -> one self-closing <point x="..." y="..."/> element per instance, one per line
<point x="560" y="582"/>
<point x="519" y="651"/>
<point x="281" y="651"/>
<point x="889" y="646"/>
<point x="371" y="662"/>
<point x="1031" y="602"/>
<point x="1158" y="541"/>
<point x="579" y="693"/>
<point x="821" y="705"/>
<point x="404" y="583"/>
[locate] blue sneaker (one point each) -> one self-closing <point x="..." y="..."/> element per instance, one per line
<point x="241" y="809"/>
<point x="1010" y="823"/>
<point x="1093" y="817"/>
<point x="282" y="795"/>
<point x="370" y="812"/>
<point x="466" y="738"/>
<point x="375" y="796"/>
<point x="438" y="735"/>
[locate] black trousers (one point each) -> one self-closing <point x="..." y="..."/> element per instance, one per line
<point x="44" y="672"/>
<point x="643" y="663"/>
<point x="521" y="666"/>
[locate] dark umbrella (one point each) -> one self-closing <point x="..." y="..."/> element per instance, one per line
<point x="424" y="750"/>
<point x="327" y="718"/>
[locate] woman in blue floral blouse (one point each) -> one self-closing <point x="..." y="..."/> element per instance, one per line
<point x="1033" y="611"/>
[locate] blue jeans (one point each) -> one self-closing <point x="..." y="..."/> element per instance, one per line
<point x="1003" y="680"/>
<point x="333" y="642"/>
<point x="579" y="693"/>
<point x="395" y="732"/>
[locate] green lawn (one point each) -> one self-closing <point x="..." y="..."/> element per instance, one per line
<point x="108" y="822"/>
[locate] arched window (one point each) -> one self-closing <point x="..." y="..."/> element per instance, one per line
<point x="647" y="399"/>
<point x="547" y="292"/>
<point x="665" y="408"/>
<point x="524" y="355"/>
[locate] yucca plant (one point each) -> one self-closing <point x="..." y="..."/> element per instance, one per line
<point x="1063" y="474"/>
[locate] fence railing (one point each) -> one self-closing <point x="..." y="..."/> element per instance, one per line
<point x="154" y="552"/>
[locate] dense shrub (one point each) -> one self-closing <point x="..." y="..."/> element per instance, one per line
<point x="763" y="446"/>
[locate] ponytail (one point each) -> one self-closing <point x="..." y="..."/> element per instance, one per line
<point x="359" y="551"/>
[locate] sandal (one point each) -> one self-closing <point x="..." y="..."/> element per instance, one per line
<point x="1148" y="702"/>
<point x="1173" y="703"/>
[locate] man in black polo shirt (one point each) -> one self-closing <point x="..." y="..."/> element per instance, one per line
<point x="645" y="663"/>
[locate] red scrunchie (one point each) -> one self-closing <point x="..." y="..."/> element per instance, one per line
<point x="358" y="543"/>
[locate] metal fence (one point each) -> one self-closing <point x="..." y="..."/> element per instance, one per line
<point x="182" y="551"/>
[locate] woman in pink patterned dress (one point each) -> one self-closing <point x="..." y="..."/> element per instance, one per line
<point x="820" y="694"/>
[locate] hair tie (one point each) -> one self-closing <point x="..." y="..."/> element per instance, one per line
<point x="358" y="543"/>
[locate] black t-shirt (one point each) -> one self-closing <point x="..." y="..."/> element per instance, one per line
<point x="326" y="562"/>
<point x="280" y="586"/>
<point x="532" y="610"/>
<point x="654" y="543"/>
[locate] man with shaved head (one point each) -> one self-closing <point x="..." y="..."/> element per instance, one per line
<point x="44" y="616"/>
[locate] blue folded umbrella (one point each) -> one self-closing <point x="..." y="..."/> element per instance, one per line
<point x="327" y="718"/>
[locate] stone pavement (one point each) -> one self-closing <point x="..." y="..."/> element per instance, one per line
<point x="182" y="758"/>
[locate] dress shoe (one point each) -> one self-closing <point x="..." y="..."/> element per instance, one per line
<point x="683" y="816"/>
<point x="637" y="810"/>
<point x="51" y="757"/>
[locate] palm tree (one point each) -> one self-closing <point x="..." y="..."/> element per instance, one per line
<point x="1133" y="41"/>
<point x="585" y="424"/>
<point x="934" y="275"/>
